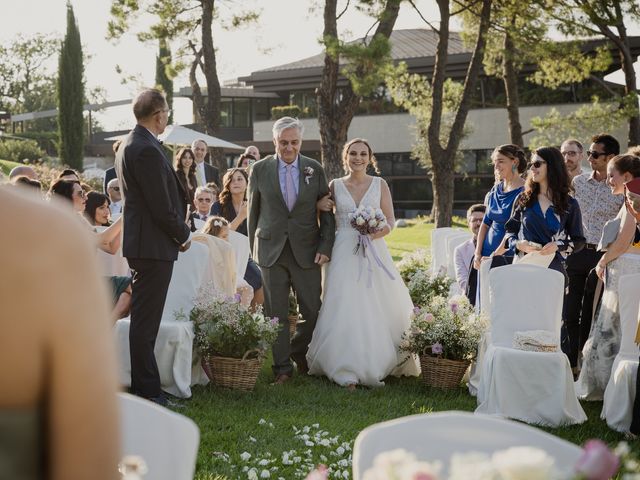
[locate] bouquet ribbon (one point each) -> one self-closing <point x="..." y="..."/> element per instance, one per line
<point x="364" y="241"/>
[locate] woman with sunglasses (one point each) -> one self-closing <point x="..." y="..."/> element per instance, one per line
<point x="546" y="219"/>
<point x="185" y="168"/>
<point x="508" y="164"/>
<point x="232" y="206"/>
<point x="621" y="258"/>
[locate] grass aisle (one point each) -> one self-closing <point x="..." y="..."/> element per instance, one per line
<point x="244" y="431"/>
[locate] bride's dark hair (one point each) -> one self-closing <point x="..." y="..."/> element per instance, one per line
<point x="345" y="155"/>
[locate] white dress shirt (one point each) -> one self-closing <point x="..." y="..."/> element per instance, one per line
<point x="116" y="208"/>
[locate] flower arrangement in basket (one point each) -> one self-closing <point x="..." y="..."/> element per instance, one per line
<point x="445" y="335"/>
<point x="231" y="340"/>
<point x="597" y="462"/>
<point x="415" y="270"/>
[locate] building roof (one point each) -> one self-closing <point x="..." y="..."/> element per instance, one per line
<point x="405" y="44"/>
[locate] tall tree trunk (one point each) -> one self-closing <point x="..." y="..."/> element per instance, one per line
<point x="442" y="158"/>
<point x="337" y="106"/>
<point x="630" y="88"/>
<point x="510" y="77"/>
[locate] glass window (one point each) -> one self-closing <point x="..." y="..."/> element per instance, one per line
<point x="483" y="161"/>
<point x="226" y="106"/>
<point x="261" y="109"/>
<point x="241" y="112"/>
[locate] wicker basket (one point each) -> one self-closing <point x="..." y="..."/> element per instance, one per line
<point x="235" y="373"/>
<point x="441" y="373"/>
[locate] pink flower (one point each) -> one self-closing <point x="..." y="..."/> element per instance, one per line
<point x="436" y="349"/>
<point x="597" y="461"/>
<point x="428" y="318"/>
<point x="416" y="310"/>
<point x="319" y="473"/>
<point x="454" y="307"/>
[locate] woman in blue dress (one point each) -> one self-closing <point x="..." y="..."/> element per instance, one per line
<point x="509" y="163"/>
<point x="546" y="219"/>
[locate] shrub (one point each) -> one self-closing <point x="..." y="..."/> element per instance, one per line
<point x="18" y="150"/>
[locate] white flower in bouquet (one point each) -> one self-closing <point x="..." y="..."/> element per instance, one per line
<point x="524" y="463"/>
<point x="373" y="223"/>
<point x="401" y="465"/>
<point x="360" y="220"/>
<point x="477" y="466"/>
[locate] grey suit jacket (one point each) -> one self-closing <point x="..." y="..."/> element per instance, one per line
<point x="270" y="223"/>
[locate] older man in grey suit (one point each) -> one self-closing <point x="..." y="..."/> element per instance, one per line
<point x="289" y="240"/>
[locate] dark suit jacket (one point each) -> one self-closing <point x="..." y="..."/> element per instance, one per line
<point x="154" y="201"/>
<point x="109" y="175"/>
<point x="211" y="174"/>
<point x="270" y="223"/>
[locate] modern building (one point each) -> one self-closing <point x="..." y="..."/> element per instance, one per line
<point x="246" y="114"/>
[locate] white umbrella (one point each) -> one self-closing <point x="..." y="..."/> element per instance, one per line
<point x="179" y="135"/>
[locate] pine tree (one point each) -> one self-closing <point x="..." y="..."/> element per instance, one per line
<point x="71" y="95"/>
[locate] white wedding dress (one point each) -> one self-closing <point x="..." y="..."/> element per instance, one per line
<point x="364" y="312"/>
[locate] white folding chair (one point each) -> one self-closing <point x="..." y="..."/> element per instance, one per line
<point x="485" y="308"/>
<point x="166" y="441"/>
<point x="452" y="241"/>
<point x="534" y="387"/>
<point x="621" y="389"/>
<point x="436" y="436"/>
<point x="174" y="343"/>
<point x="439" y="259"/>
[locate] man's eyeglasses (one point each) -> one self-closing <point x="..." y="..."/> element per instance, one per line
<point x="536" y="164"/>
<point x="80" y="193"/>
<point x="570" y="153"/>
<point x="595" y="155"/>
<point x="206" y="200"/>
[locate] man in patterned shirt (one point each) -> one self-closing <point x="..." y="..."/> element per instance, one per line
<point x="598" y="205"/>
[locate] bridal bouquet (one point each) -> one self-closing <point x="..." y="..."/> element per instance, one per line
<point x="368" y="221"/>
<point x="447" y="329"/>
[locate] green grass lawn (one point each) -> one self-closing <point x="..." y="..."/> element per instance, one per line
<point x="240" y="431"/>
<point x="6" y="166"/>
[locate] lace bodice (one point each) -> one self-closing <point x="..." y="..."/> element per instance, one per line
<point x="345" y="203"/>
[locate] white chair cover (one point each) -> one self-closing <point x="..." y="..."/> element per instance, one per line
<point x="436" y="436"/>
<point x="174" y="343"/>
<point x="439" y="259"/>
<point x="112" y="265"/>
<point x="452" y="241"/>
<point x="534" y="387"/>
<point x="621" y="389"/>
<point x="166" y="441"/>
<point x="484" y="300"/>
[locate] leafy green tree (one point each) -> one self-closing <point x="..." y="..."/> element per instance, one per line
<point x="188" y="23"/>
<point x="441" y="107"/>
<point x="608" y="19"/>
<point x="164" y="77"/>
<point x="365" y="66"/>
<point x="71" y="95"/>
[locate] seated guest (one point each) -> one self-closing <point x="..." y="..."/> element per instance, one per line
<point x="622" y="257"/>
<point x="113" y="190"/>
<point x="23" y="170"/>
<point x="232" y="205"/>
<point x="219" y="227"/>
<point x="202" y="202"/>
<point x="185" y="167"/>
<point x="110" y="173"/>
<point x="69" y="174"/>
<point x="466" y="274"/>
<point x="108" y="241"/>
<point x="96" y="209"/>
<point x="215" y="189"/>
<point x="546" y="219"/>
<point x="23" y="180"/>
<point x="57" y="358"/>
<point x="245" y="161"/>
<point x="253" y="151"/>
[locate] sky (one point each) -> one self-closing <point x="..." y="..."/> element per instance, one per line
<point x="286" y="31"/>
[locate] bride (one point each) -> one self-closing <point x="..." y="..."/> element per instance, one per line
<point x="366" y="307"/>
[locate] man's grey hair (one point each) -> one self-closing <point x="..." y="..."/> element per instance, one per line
<point x="286" y="123"/>
<point x="200" y="190"/>
<point x="114" y="182"/>
<point x="193" y="144"/>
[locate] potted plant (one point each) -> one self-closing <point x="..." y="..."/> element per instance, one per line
<point x="231" y="340"/>
<point x="445" y="335"/>
<point x="415" y="270"/>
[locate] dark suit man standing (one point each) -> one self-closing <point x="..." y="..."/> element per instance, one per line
<point x="154" y="231"/>
<point x="205" y="173"/>
<point x="287" y="241"/>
